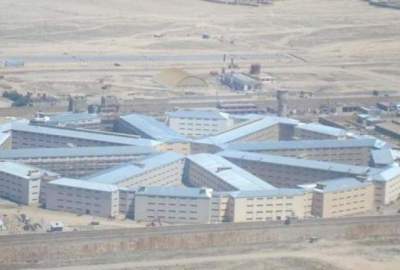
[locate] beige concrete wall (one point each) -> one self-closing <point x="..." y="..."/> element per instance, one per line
<point x="20" y="190"/>
<point x="354" y="156"/>
<point x="387" y="192"/>
<point x="343" y="203"/>
<point x="221" y="208"/>
<point x="172" y="209"/>
<point x="303" y="134"/>
<point x="253" y="209"/>
<point x="199" y="127"/>
<point x="197" y="176"/>
<point x="82" y="201"/>
<point x="22" y="139"/>
<point x="283" y="175"/>
<point x="167" y="175"/>
<point x="269" y="133"/>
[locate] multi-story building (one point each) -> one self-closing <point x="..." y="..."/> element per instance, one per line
<point x="220" y="207"/>
<point x="20" y="183"/>
<point x="206" y="170"/>
<point x="29" y="136"/>
<point x="199" y="123"/>
<point x="127" y="202"/>
<point x="77" y="161"/>
<point x="69" y="119"/>
<point x="387" y="185"/>
<point x="315" y="131"/>
<point x="383" y="157"/>
<point x="82" y="197"/>
<point x="264" y="205"/>
<point x="165" y="169"/>
<point x="147" y="127"/>
<point x="173" y="204"/>
<point x="342" y="197"/>
<point x="290" y="172"/>
<point x="266" y="128"/>
<point x="351" y="151"/>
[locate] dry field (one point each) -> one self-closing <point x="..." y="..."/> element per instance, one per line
<point x="72" y="46"/>
<point x="372" y="254"/>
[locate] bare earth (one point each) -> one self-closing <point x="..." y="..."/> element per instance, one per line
<point x="323" y="255"/>
<point x="320" y="45"/>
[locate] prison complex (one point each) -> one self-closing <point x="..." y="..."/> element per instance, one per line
<point x="199" y="166"/>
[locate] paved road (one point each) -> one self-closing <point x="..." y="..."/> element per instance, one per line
<point x="65" y="58"/>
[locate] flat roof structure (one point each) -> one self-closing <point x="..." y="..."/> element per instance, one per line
<point x="183" y="192"/>
<point x="68" y="118"/>
<point x="296" y="162"/>
<point x="76" y="151"/>
<point x="75" y="183"/>
<point x="382" y="157"/>
<point x="199" y="114"/>
<point x="386" y="174"/>
<point x="150" y="128"/>
<point x="228" y="172"/>
<point x="278" y="192"/>
<point x="302" y="144"/>
<point x="120" y="173"/>
<point x="339" y="184"/>
<point x="19" y="170"/>
<point x="246" y="129"/>
<point x="84" y="135"/>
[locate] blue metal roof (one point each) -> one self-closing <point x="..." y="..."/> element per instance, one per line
<point x="382" y="157"/>
<point x="185" y="192"/>
<point x="85" y="135"/>
<point x="319" y="128"/>
<point x="296" y="162"/>
<point x="122" y="172"/>
<point x="74" y="183"/>
<point x="229" y="172"/>
<point x="245" y="130"/>
<point x="278" y="192"/>
<point x="76" y="151"/>
<point x="302" y="144"/>
<point x="199" y="114"/>
<point x="151" y="128"/>
<point x="386" y="174"/>
<point x="18" y="169"/>
<point x="339" y="184"/>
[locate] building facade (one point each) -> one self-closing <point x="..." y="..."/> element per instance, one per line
<point x="82" y="197"/>
<point x="173" y="205"/>
<point x="165" y="169"/>
<point x="342" y="197"/>
<point x="20" y="183"/>
<point x="199" y="123"/>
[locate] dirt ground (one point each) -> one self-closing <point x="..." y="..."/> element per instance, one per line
<point x="372" y="254"/>
<point x="323" y="46"/>
<point x="10" y="214"/>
